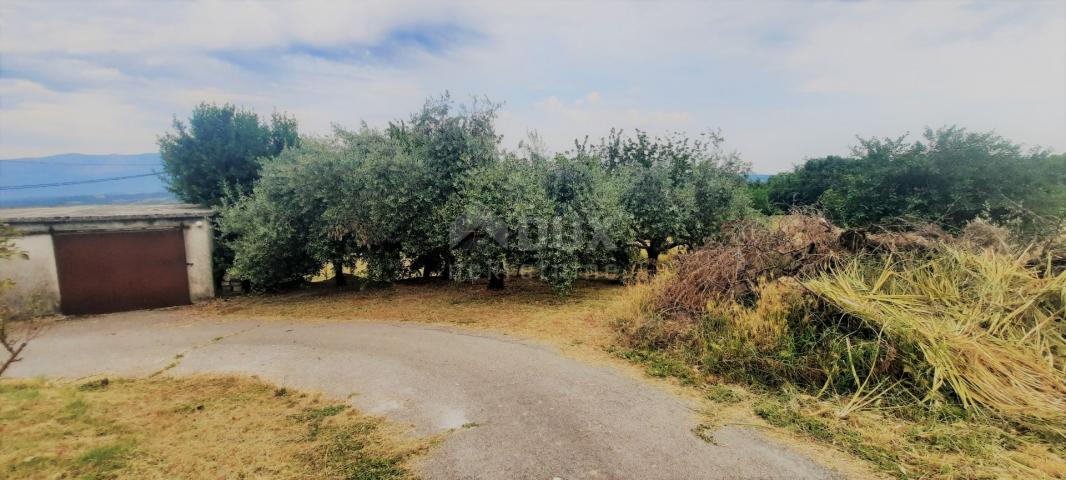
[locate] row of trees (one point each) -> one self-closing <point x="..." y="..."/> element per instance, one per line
<point x="949" y="177"/>
<point x="436" y="195"/>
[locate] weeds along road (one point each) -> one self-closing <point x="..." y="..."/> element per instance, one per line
<point x="513" y="409"/>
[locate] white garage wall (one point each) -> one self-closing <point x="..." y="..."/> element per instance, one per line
<point x="36" y="289"/>
<point x="198" y="245"/>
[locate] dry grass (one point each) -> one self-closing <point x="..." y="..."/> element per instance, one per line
<point x="926" y="355"/>
<point x="941" y="448"/>
<point x="200" y="427"/>
<point x="988" y="328"/>
<point x="526" y="307"/>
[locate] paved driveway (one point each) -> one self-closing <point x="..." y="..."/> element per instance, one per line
<point x="539" y="415"/>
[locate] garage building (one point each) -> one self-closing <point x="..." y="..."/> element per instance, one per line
<point x="107" y="258"/>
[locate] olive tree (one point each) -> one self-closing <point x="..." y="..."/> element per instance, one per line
<point x="589" y="228"/>
<point x="678" y="191"/>
<point x="353" y="196"/>
<point x="220" y="148"/>
<point x="276" y="231"/>
<point x="500" y="214"/>
<point x="451" y="141"/>
<point x="383" y="201"/>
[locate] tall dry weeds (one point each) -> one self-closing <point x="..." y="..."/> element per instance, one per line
<point x="989" y="329"/>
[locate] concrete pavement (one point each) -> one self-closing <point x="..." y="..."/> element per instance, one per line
<point x="538" y="415"/>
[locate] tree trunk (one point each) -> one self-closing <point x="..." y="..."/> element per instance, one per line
<point x="338" y="274"/>
<point x="431" y="264"/>
<point x="496" y="280"/>
<point x="653" y="260"/>
<point x="446" y="268"/>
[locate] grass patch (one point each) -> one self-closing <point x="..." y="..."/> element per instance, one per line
<point x="201" y="427"/>
<point x="929" y="448"/>
<point x="661" y="365"/>
<point x="102" y="461"/>
<point x="581" y="320"/>
<point x="723" y="394"/>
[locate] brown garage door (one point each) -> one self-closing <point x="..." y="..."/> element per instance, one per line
<point x="118" y="271"/>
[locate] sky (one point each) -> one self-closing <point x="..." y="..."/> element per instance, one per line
<point x="783" y="81"/>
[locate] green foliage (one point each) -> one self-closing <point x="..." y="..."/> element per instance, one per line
<point x="451" y="141"/>
<point x="760" y="198"/>
<point x="219" y="149"/>
<point x="949" y="178"/>
<point x="590" y="227"/>
<point x="806" y="183"/>
<point x="277" y="232"/>
<point x="395" y="198"/>
<point x="101" y="461"/>
<point x="501" y="213"/>
<point x="380" y="197"/>
<point x="678" y="191"/>
<point x="780" y="414"/>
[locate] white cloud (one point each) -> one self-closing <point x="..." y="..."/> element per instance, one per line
<point x="783" y="80"/>
<point x="91" y="121"/>
<point x="936" y="49"/>
<point x="560" y="122"/>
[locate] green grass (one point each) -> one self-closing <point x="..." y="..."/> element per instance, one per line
<point x="779" y="414"/>
<point x="315" y="417"/>
<point x="209" y="427"/>
<point x="722" y="394"/>
<point x="661" y="365"/>
<point x="345" y="449"/>
<point x="101" y="461"/>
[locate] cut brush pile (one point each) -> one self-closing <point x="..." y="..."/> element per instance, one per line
<point x="981" y="326"/>
<point x="925" y="331"/>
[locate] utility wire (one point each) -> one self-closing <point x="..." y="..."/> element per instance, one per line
<point x="87" y="163"/>
<point x="76" y="182"/>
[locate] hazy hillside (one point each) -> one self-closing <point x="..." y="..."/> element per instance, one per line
<point x="70" y="170"/>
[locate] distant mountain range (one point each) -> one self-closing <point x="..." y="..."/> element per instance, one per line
<point x="76" y="178"/>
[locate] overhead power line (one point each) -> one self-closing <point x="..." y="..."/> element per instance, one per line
<point x="76" y="182"/>
<point x="86" y="163"/>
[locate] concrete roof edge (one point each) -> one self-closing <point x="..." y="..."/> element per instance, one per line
<point x="102" y="213"/>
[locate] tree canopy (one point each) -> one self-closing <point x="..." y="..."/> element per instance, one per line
<point x="220" y="148"/>
<point x="949" y="177"/>
<point x="679" y="191"/>
<point x="436" y="195"/>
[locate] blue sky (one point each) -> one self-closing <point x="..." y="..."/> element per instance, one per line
<point x="783" y="81"/>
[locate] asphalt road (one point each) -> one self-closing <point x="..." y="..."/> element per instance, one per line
<point x="538" y="415"/>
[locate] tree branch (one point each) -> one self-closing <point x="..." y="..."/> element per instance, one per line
<point x="14" y="357"/>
